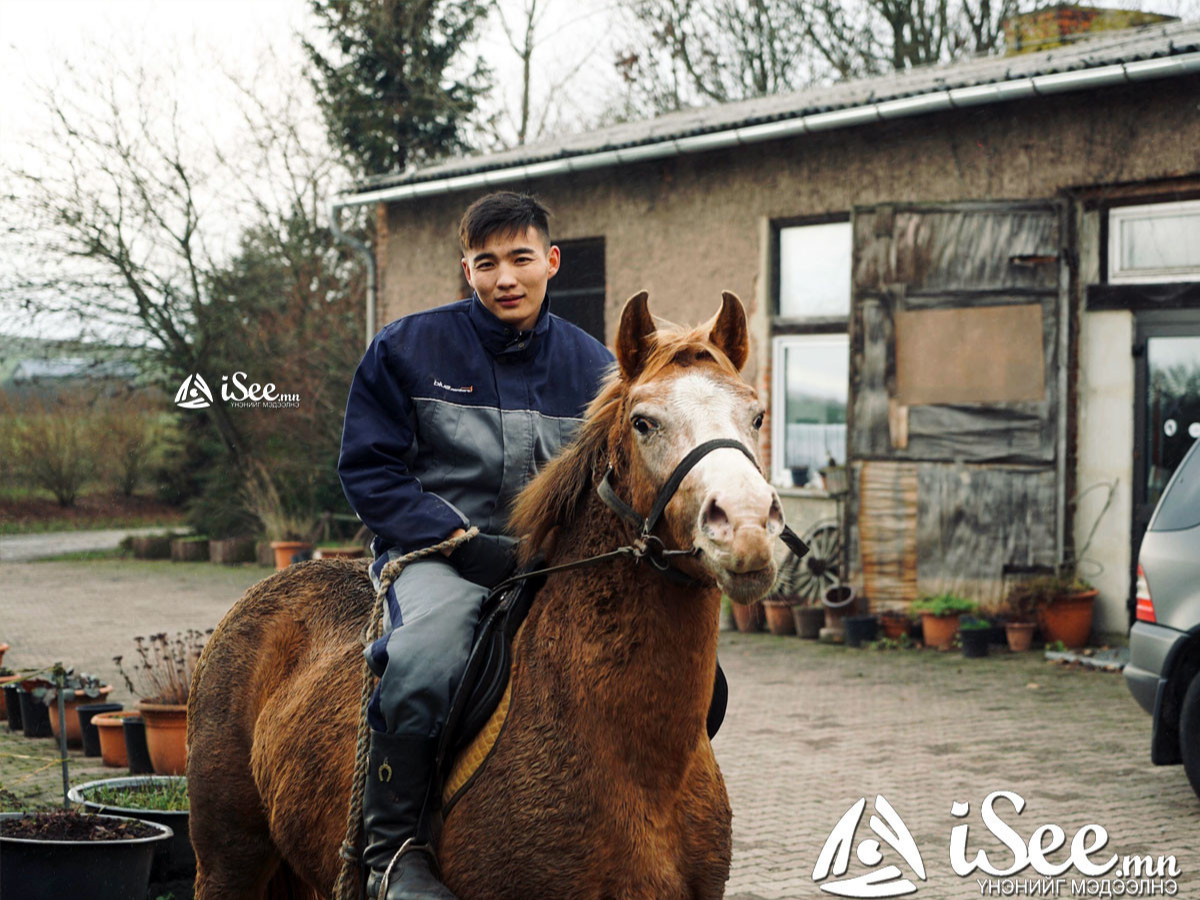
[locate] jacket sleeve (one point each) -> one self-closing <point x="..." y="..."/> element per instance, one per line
<point x="377" y="435"/>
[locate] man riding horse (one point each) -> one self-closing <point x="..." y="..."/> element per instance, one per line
<point x="451" y="412"/>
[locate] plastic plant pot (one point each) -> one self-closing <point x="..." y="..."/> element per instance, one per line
<point x="861" y="630"/>
<point x="175" y="858"/>
<point x="975" y="642"/>
<point x="90" y="733"/>
<point x="36" y="869"/>
<point x="136" y="750"/>
<point x="12" y="702"/>
<point x="35" y="717"/>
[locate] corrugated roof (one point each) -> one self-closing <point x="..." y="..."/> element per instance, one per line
<point x="1106" y="49"/>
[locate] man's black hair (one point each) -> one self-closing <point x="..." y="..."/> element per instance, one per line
<point x="503" y="212"/>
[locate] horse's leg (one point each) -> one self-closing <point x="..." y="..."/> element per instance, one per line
<point x="235" y="857"/>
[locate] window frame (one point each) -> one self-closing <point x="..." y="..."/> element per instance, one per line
<point x="1112" y="221"/>
<point x="794" y="330"/>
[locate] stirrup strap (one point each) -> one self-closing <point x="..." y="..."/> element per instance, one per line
<point x="409" y="846"/>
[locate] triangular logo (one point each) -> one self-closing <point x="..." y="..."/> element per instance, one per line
<point x="193" y="393"/>
<point x="880" y="882"/>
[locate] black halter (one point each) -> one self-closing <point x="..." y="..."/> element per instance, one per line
<point x="648" y="545"/>
<point x="651" y="546"/>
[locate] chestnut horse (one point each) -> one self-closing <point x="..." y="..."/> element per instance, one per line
<point x="603" y="782"/>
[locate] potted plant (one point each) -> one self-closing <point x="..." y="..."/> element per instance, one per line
<point x="1062" y="604"/>
<point x="748" y="616"/>
<point x="895" y="622"/>
<point x="3" y="649"/>
<point x="778" y="610"/>
<point x="86" y="712"/>
<point x="288" y="529"/>
<point x="76" y="688"/>
<point x="66" y="853"/>
<point x="1020" y="618"/>
<point x="7" y="677"/>
<point x="975" y="635"/>
<point x="939" y="617"/>
<point x="162" y="678"/>
<point x="151" y="798"/>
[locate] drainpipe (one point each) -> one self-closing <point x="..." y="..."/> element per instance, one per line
<point x="335" y="211"/>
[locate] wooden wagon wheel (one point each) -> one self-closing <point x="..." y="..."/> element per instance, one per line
<point x="820" y="570"/>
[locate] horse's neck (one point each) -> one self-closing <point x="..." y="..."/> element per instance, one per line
<point x="633" y="653"/>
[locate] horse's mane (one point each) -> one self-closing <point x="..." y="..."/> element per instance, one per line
<point x="556" y="496"/>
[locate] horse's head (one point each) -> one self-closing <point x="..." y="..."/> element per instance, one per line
<point x="678" y="390"/>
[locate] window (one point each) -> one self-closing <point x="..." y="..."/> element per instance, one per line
<point x="1154" y="242"/>
<point x="811" y="376"/>
<point x="810" y="350"/>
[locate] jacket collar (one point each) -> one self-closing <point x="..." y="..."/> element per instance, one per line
<point x="503" y="341"/>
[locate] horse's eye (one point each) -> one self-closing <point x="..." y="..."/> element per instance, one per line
<point x="758" y="421"/>
<point x="642" y="425"/>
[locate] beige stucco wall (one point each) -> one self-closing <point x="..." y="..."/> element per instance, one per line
<point x="687" y="228"/>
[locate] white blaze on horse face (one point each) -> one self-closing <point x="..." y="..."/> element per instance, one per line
<point x="735" y="514"/>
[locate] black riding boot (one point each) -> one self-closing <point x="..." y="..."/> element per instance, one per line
<point x="399" y="849"/>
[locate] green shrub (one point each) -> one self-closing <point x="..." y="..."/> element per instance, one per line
<point x="946" y="604"/>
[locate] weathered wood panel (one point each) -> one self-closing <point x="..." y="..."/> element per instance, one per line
<point x="975" y="248"/>
<point x="887" y="532"/>
<point x="975" y="523"/>
<point x="1012" y="433"/>
<point x="872" y="380"/>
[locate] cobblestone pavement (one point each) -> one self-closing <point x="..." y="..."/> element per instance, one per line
<point x="810" y="730"/>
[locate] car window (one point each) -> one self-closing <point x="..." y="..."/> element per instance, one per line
<point x="1180" y="505"/>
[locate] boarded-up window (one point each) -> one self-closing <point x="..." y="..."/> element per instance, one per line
<point x="983" y="354"/>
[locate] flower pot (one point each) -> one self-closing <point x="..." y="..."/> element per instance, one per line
<point x="779" y="617"/>
<point x="839" y="603"/>
<point x="151" y="546"/>
<point x="12" y="703"/>
<point x="74" y="736"/>
<point x="231" y="551"/>
<point x="938" y="631"/>
<point x="975" y="642"/>
<point x="35" y="717"/>
<point x="748" y="616"/>
<point x="1068" y="619"/>
<point x="166" y="736"/>
<point x="175" y="858"/>
<point x="110" y="730"/>
<point x="285" y="550"/>
<point x="37" y="869"/>
<point x="895" y="625"/>
<point x="1019" y="635"/>
<point x="189" y="550"/>
<point x="808" y="621"/>
<point x="91" y="735"/>
<point x="860" y="630"/>
<point x="136" y="750"/>
<point x="3" y="649"/>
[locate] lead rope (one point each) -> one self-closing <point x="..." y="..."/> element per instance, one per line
<point x="348" y="876"/>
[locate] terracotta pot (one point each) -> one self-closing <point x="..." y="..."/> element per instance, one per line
<point x="1068" y="620"/>
<point x="74" y="735"/>
<point x="285" y="549"/>
<point x="3" y="650"/>
<point x="4" y="682"/>
<point x="938" y="631"/>
<point x="808" y="621"/>
<point x="895" y="625"/>
<point x="1019" y="635"/>
<point x="112" y="737"/>
<point x="779" y="617"/>
<point x="166" y="736"/>
<point x="748" y="616"/>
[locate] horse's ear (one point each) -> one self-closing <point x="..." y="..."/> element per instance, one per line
<point x="729" y="330"/>
<point x="634" y="335"/>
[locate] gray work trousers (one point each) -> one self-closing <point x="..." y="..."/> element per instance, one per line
<point x="428" y="629"/>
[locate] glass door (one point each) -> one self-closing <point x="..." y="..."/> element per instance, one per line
<point x="1166" y="408"/>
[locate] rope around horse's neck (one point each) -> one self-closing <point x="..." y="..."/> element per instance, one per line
<point x="348" y="875"/>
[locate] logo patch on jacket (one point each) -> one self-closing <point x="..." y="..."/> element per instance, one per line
<point x="469" y="389"/>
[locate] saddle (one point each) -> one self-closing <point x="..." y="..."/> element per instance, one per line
<point x="480" y="703"/>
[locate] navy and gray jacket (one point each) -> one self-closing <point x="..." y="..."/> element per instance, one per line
<point x="450" y="414"/>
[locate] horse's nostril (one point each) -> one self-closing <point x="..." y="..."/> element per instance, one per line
<point x="714" y="516"/>
<point x="775" y="516"/>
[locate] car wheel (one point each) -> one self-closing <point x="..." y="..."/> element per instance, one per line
<point x="1189" y="733"/>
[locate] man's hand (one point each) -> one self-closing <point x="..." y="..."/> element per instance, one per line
<point x="456" y="533"/>
<point x="486" y="559"/>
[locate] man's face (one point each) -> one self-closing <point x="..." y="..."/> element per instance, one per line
<point x="509" y="273"/>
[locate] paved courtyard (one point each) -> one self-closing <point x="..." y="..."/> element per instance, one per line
<point x="810" y="731"/>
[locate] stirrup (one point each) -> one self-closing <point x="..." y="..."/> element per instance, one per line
<point x="411" y="844"/>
